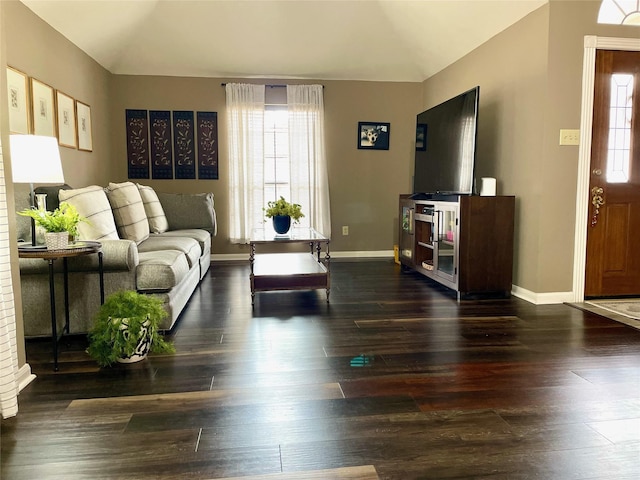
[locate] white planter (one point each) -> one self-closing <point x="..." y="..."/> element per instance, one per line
<point x="144" y="345"/>
<point x="56" y="240"/>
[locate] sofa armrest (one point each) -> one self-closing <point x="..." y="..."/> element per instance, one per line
<point x="119" y="255"/>
<point x="189" y="210"/>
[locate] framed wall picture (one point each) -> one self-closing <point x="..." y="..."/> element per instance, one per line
<point x="83" y="124"/>
<point x="373" y="135"/>
<point x="18" y="101"/>
<point x="42" y="109"/>
<point x="66" y="120"/>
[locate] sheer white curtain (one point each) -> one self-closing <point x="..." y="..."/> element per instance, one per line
<point x="309" y="180"/>
<point x="245" y="127"/>
<point x="8" y="345"/>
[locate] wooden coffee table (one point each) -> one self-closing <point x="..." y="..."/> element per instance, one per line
<point x="289" y="271"/>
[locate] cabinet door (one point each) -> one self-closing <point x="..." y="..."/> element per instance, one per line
<point x="447" y="250"/>
<point x="486" y="244"/>
<point x="407" y="237"/>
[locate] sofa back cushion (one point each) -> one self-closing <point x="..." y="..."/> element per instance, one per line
<point x="92" y="203"/>
<point x="152" y="207"/>
<point x="192" y="210"/>
<point x="128" y="211"/>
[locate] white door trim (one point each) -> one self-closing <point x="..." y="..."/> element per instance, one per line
<point x="591" y="44"/>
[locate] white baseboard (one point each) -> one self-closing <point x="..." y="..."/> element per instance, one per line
<point x="24" y="377"/>
<point x="364" y="254"/>
<point x="547" y="298"/>
<point x="227" y="257"/>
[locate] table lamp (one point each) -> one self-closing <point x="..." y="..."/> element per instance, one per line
<point x="35" y="159"/>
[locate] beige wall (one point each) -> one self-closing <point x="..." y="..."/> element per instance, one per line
<point x="364" y="184"/>
<point x="530" y="79"/>
<point x="39" y="51"/>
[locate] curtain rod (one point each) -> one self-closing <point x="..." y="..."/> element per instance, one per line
<point x="270" y="85"/>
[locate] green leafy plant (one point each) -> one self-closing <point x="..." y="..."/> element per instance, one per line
<point x="121" y="320"/>
<point x="282" y="207"/>
<point x="65" y="218"/>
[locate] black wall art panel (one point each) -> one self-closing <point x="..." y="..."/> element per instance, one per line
<point x="137" y="143"/>
<point x="207" y="130"/>
<point x="161" y="147"/>
<point x="184" y="145"/>
<point x="172" y="144"/>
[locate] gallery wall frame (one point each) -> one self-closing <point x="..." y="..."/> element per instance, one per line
<point x="66" y="120"/>
<point x="83" y="123"/>
<point x="18" y="101"/>
<point x="137" y="125"/>
<point x="42" y="108"/>
<point x="373" y="135"/>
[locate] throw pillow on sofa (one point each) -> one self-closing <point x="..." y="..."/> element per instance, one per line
<point x="199" y="206"/>
<point x="92" y="203"/>
<point x="155" y="213"/>
<point x="128" y="211"/>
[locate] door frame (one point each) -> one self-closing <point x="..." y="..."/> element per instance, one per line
<point x="591" y="45"/>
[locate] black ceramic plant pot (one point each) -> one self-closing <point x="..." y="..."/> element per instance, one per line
<point x="281" y="223"/>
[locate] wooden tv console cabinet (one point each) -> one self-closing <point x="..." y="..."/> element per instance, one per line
<point x="462" y="242"/>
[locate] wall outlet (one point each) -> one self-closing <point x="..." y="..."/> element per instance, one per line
<point x="569" y="137"/>
<point x="345" y="230"/>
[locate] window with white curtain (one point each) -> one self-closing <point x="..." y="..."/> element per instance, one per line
<point x="276" y="149"/>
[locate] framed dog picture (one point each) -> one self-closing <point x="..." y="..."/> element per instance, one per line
<point x="373" y="135"/>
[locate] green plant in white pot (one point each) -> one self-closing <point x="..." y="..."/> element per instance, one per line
<point x="63" y="221"/>
<point x="126" y="328"/>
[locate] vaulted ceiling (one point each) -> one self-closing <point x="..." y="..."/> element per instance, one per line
<point x="375" y="40"/>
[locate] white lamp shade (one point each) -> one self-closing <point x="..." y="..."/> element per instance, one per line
<point x="35" y="159"/>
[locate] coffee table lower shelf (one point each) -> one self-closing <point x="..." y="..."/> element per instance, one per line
<point x="288" y="271"/>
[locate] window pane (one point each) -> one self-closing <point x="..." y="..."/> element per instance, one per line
<point x="619" y="144"/>
<point x="277" y="153"/>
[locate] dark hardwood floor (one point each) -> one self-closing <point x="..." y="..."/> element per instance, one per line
<point x="394" y="379"/>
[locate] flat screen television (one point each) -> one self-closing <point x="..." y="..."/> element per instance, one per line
<point x="446" y="146"/>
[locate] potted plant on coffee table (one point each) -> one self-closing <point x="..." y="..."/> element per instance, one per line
<point x="126" y="328"/>
<point x="59" y="225"/>
<point x="282" y="213"/>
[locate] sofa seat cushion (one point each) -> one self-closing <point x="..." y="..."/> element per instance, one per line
<point x="203" y="237"/>
<point x="188" y="246"/>
<point x="161" y="271"/>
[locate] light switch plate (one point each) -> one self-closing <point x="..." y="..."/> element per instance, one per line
<point x="569" y="137"/>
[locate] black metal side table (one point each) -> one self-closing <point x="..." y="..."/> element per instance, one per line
<point x="77" y="249"/>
